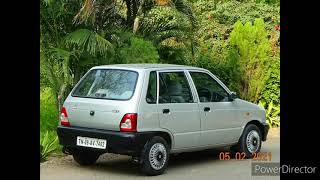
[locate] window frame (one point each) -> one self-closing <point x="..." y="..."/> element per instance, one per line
<point x="185" y="72"/>
<point x="213" y="78"/>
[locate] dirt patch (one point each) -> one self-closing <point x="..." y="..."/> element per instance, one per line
<point x="274" y="133"/>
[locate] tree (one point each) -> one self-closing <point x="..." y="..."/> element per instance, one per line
<point x="67" y="50"/>
<point x="55" y="22"/>
<point x="135" y="10"/>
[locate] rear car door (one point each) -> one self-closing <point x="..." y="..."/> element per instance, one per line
<point x="219" y="115"/>
<point x="178" y="111"/>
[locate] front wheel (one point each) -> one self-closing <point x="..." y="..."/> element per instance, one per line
<point x="249" y="142"/>
<point x="155" y="156"/>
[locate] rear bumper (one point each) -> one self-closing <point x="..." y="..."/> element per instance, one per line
<point x="265" y="131"/>
<point x="117" y="142"/>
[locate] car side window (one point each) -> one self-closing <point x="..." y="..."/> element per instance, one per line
<point x="174" y="88"/>
<point x="151" y="97"/>
<point x="209" y="90"/>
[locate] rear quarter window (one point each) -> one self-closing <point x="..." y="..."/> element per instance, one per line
<point x="151" y="97"/>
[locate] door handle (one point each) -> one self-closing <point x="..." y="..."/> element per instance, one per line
<point x="165" y="111"/>
<point x="206" y="109"/>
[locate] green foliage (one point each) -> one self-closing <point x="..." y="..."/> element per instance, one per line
<point x="161" y="23"/>
<point x="216" y="20"/>
<point x="253" y="49"/>
<point x="89" y="42"/>
<point x="48" y="110"/>
<point x="48" y="144"/>
<point x="271" y="89"/>
<point x="171" y="31"/>
<point x="272" y="113"/>
<point x="48" y="123"/>
<point x="138" y="51"/>
<point x="232" y="11"/>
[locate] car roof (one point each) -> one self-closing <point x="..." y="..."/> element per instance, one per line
<point x="148" y="66"/>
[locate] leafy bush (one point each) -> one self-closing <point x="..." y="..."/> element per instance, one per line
<point x="216" y="20"/>
<point x="138" y="51"/>
<point x="271" y="89"/>
<point x="253" y="56"/>
<point x="48" y="110"/>
<point x="48" y="144"/>
<point x="232" y="11"/>
<point x="272" y="113"/>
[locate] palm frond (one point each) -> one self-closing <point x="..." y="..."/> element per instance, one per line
<point x="98" y="9"/>
<point x="163" y="35"/>
<point x="89" y="41"/>
<point x="184" y="7"/>
<point x="85" y="11"/>
<point x="62" y="64"/>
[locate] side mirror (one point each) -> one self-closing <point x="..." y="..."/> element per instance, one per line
<point x="233" y="96"/>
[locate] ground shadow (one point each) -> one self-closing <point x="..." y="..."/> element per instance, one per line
<point x="125" y="166"/>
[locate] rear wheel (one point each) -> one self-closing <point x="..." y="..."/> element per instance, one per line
<point x="249" y="142"/>
<point x="85" y="157"/>
<point x="155" y="156"/>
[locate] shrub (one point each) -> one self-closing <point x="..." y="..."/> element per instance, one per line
<point x="48" y="110"/>
<point x="271" y="89"/>
<point x="138" y="50"/>
<point x="272" y="113"/>
<point x="232" y="11"/>
<point x="48" y="144"/>
<point x="252" y="49"/>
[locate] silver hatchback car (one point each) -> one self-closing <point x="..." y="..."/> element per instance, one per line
<point x="149" y="111"/>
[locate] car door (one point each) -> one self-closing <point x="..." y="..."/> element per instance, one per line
<point x="178" y="110"/>
<point x="219" y="122"/>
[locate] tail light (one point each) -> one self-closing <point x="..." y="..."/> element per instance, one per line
<point x="129" y="123"/>
<point x="64" y="117"/>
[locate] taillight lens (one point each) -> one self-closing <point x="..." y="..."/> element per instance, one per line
<point x="64" y="117"/>
<point x="129" y="123"/>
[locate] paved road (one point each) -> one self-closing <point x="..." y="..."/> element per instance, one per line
<point x="196" y="165"/>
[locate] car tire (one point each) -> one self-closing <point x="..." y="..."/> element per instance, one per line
<point x="249" y="142"/>
<point x="155" y="156"/>
<point x="85" y="157"/>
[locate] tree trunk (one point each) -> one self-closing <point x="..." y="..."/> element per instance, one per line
<point x="61" y="96"/>
<point x="136" y="23"/>
<point x="131" y="12"/>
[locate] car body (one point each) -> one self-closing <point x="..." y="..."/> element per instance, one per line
<point x="187" y="108"/>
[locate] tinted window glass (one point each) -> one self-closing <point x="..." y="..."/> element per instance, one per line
<point x="209" y="90"/>
<point x="174" y="88"/>
<point x="152" y="88"/>
<point x="107" y="84"/>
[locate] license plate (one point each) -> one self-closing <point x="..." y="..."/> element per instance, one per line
<point x="91" y="142"/>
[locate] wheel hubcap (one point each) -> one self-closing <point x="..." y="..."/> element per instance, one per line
<point x="157" y="156"/>
<point x="253" y="141"/>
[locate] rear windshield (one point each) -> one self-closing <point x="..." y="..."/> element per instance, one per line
<point x="107" y="84"/>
